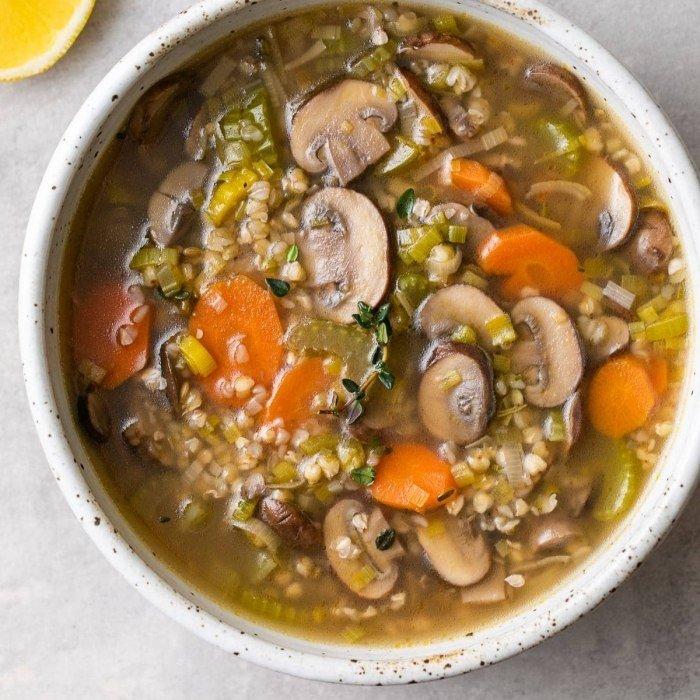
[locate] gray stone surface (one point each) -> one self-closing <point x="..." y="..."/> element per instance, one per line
<point x="69" y="624"/>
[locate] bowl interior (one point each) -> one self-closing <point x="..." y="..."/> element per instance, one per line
<point x="71" y="169"/>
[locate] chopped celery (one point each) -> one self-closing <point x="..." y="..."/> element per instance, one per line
<point x="647" y="313"/>
<point x="637" y="330"/>
<point x="457" y="234"/>
<point x="464" y="334"/>
<point x="501" y="330"/>
<point x="564" y="140"/>
<point x="354" y="634"/>
<point x="231" y="433"/>
<point x="503" y="492"/>
<point x="373" y="60"/>
<point x="403" y="153"/>
<point x="501" y="363"/>
<point x="151" y="256"/>
<point x="430" y="125"/>
<point x="169" y="279"/>
<point x="363" y="577"/>
<point x="554" y="427"/>
<point x="352" y="344"/>
<point x="263" y="565"/>
<point x="474" y="278"/>
<point x="319" y="443"/>
<point x="244" y="509"/>
<point x="592" y="290"/>
<point x="428" y="238"/>
<point x="229" y="192"/>
<point x="351" y="453"/>
<point x="414" y="287"/>
<point x="396" y="89"/>
<point x="197" y="356"/>
<point x="619" y="485"/>
<point x="284" y="471"/>
<point x="451" y="380"/>
<point x="462" y="474"/>
<point x="667" y="328"/>
<point x="446" y="24"/>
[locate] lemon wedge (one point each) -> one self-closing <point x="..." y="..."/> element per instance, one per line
<point x="34" y="34"/>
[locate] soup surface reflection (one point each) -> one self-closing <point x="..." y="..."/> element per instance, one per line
<point x="377" y="323"/>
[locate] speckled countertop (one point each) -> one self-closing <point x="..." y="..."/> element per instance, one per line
<point x="70" y="626"/>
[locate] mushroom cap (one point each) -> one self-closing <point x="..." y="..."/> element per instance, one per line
<point x="549" y="353"/>
<point x="614" y="202"/>
<point x="462" y="124"/>
<point x="652" y="244"/>
<point x="341" y="129"/>
<point x="151" y="111"/>
<point x="572" y="415"/>
<point x="436" y="47"/>
<point x="347" y="260"/>
<point x="458" y="305"/>
<point x="491" y="589"/>
<point x="337" y="525"/>
<point x="290" y="523"/>
<point x="461" y="413"/>
<point x="170" y="209"/>
<point x="615" y="339"/>
<point x="94" y="415"/>
<point x="172" y="379"/>
<point x="457" y="550"/>
<point x="552" y="531"/>
<point x="555" y="78"/>
<point x="416" y="106"/>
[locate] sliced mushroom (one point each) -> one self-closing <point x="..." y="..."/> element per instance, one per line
<point x="290" y="523"/>
<point x="552" y="531"/>
<point x="436" y="48"/>
<point x="489" y="590"/>
<point x="344" y="248"/>
<point x="456" y="548"/>
<point x="652" y="244"/>
<point x="170" y="209"/>
<point x="615" y="339"/>
<point x="458" y="305"/>
<point x="341" y="129"/>
<point x="153" y="108"/>
<point x="415" y="108"/>
<point x="572" y="415"/>
<point x="614" y="203"/>
<point x="478" y="227"/>
<point x="555" y="79"/>
<point x="548" y="354"/>
<point x="196" y="141"/>
<point x="93" y="415"/>
<point x="352" y="549"/>
<point x="462" y="124"/>
<point x="456" y="398"/>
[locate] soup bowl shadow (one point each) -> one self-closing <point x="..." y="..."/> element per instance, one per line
<point x="91" y="132"/>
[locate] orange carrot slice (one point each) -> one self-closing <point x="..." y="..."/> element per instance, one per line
<point x="412" y="477"/>
<point x="658" y="371"/>
<point x="294" y="390"/>
<point x="237" y="322"/>
<point x="98" y="320"/>
<point x="530" y="259"/>
<point x="486" y="186"/>
<point x="621" y="396"/>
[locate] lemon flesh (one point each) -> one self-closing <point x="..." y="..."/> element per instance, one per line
<point x="34" y="34"/>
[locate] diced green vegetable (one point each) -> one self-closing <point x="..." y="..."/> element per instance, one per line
<point x="446" y="24"/>
<point x="647" y="313"/>
<point x="451" y="380"/>
<point x="619" y="485"/>
<point x="667" y="328"/>
<point x="554" y="427"/>
<point x="198" y="358"/>
<point x="635" y="284"/>
<point x="457" y="234"/>
<point x="284" y="471"/>
<point x="319" y="443"/>
<point x="414" y="287"/>
<point x="462" y="474"/>
<point x="244" y="509"/>
<point x="229" y="192"/>
<point x="352" y="344"/>
<point x="597" y="268"/>
<point x="501" y="363"/>
<point x="169" y="279"/>
<point x="405" y="203"/>
<point x="363" y="475"/>
<point x="428" y="237"/>
<point x="563" y="139"/>
<point x="501" y="330"/>
<point x="592" y="290"/>
<point x="373" y="60"/>
<point x="464" y="334"/>
<point x="151" y="256"/>
<point x="263" y="565"/>
<point x="364" y="576"/>
<point x="403" y="153"/>
<point x="195" y="515"/>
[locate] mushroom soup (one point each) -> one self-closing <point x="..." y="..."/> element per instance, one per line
<point x="376" y="323"/>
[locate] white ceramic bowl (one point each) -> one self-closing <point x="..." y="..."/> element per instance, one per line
<point x="89" y="133"/>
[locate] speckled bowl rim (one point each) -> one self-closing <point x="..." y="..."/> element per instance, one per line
<point x="665" y="495"/>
